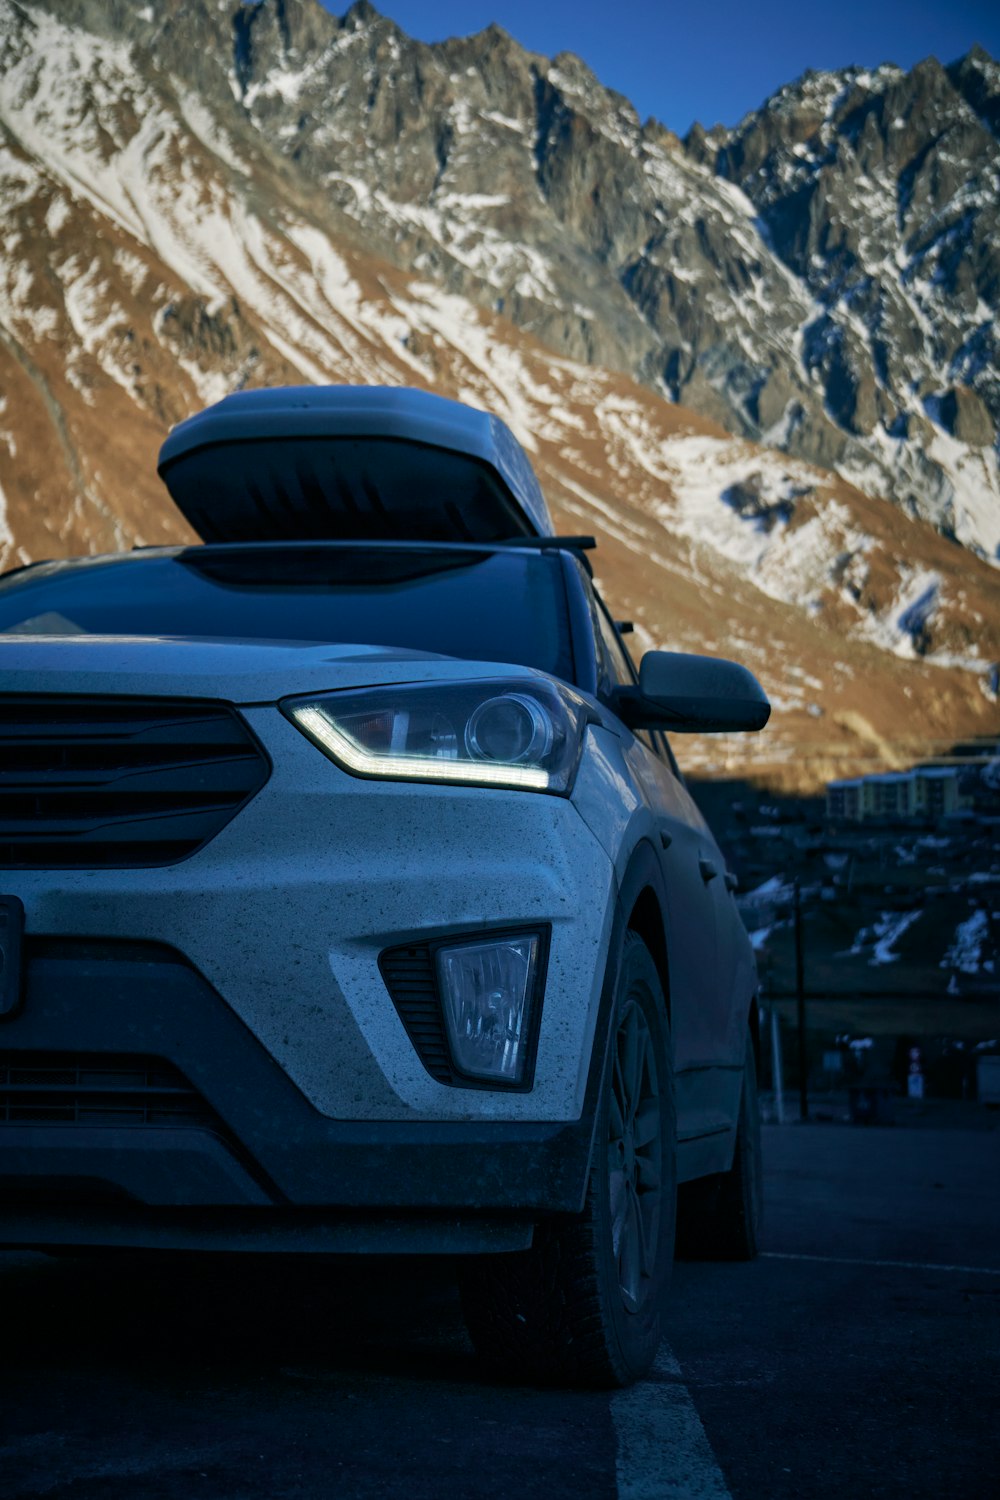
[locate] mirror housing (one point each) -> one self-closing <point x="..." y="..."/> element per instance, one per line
<point x="691" y="694"/>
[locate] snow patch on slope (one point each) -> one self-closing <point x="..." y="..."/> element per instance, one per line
<point x="965" y="951"/>
<point x="956" y="480"/>
<point x="883" y="936"/>
<point x="741" y="504"/>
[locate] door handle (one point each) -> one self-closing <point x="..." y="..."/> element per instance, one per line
<point x="708" y="870"/>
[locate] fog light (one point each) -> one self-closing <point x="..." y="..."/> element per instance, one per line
<point x="486" y="994"/>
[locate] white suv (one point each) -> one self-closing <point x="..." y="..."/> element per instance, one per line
<point x="352" y="899"/>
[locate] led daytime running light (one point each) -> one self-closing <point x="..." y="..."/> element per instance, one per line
<point x="411" y="768"/>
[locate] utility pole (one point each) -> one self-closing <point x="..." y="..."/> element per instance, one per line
<point x="777" y="1071"/>
<point x="800" y="1007"/>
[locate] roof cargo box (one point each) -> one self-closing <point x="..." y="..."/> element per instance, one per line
<point x="351" y="462"/>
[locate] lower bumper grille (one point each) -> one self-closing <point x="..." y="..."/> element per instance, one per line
<point x="38" y="1088"/>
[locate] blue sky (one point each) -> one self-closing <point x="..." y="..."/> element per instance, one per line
<point x="712" y="59"/>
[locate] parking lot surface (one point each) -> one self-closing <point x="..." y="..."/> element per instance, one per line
<point x="860" y="1355"/>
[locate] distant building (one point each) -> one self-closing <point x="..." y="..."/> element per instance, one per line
<point x="930" y="792"/>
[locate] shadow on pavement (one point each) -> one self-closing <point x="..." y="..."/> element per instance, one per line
<point x="157" y="1310"/>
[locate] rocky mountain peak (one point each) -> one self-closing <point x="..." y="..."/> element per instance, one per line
<point x="825" y="276"/>
<point x="361" y="13"/>
<point x="977" y="78"/>
<point x="691" y="338"/>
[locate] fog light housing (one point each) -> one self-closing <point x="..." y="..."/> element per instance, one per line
<point x="487" y="991"/>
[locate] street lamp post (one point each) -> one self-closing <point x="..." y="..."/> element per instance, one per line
<point x="800" y="1006"/>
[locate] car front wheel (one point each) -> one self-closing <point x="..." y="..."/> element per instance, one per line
<point x="584" y="1304"/>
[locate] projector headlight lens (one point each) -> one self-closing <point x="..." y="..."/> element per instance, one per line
<point x="523" y="734"/>
<point x="510" y="729"/>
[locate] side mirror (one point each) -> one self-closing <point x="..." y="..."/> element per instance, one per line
<point x="693" y="695"/>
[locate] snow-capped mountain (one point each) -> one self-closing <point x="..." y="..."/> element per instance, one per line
<point x="881" y="194"/>
<point x="824" y="278"/>
<point x="201" y="194"/>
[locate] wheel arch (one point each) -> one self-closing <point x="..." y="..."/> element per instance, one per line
<point x="642" y="901"/>
<point x="646" y="921"/>
<point x="641" y="908"/>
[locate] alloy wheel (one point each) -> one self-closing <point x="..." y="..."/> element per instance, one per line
<point x="635" y="1156"/>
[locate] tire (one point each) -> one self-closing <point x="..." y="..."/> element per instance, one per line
<point x="583" y="1306"/>
<point x="719" y="1217"/>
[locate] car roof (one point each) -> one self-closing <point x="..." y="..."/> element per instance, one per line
<point x="577" y="545"/>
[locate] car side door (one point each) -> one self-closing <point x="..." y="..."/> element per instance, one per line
<point x="702" y="947"/>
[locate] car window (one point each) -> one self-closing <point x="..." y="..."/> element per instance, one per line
<point x="620" y="669"/>
<point x="618" y="662"/>
<point x="612" y="669"/>
<point x="501" y="606"/>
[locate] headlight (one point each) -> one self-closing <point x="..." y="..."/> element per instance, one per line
<point x="524" y="734"/>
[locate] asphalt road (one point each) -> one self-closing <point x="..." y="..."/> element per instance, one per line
<point x="859" y="1356"/>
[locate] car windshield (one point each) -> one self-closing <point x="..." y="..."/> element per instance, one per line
<point x="503" y="606"/>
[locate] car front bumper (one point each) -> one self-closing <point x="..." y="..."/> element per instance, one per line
<point x="252" y="969"/>
<point x="251" y="1142"/>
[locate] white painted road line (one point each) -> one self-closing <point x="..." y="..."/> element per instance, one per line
<point x="662" y="1450"/>
<point x="897" y="1265"/>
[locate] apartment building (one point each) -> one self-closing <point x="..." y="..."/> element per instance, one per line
<point x="929" y="792"/>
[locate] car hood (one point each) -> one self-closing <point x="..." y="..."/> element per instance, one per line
<point x="239" y="672"/>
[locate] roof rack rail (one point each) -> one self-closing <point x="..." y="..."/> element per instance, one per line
<point x="580" y="544"/>
<point x="577" y="543"/>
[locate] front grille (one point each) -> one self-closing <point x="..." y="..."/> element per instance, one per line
<point x="87" y="782"/>
<point x="43" y="1088"/>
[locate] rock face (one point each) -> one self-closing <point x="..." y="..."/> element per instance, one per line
<point x="824" y="278"/>
<point x="881" y="194"/>
<point x="198" y="195"/>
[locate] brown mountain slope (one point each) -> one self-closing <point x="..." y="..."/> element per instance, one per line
<point x="146" y="268"/>
<point x="823" y="278"/>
